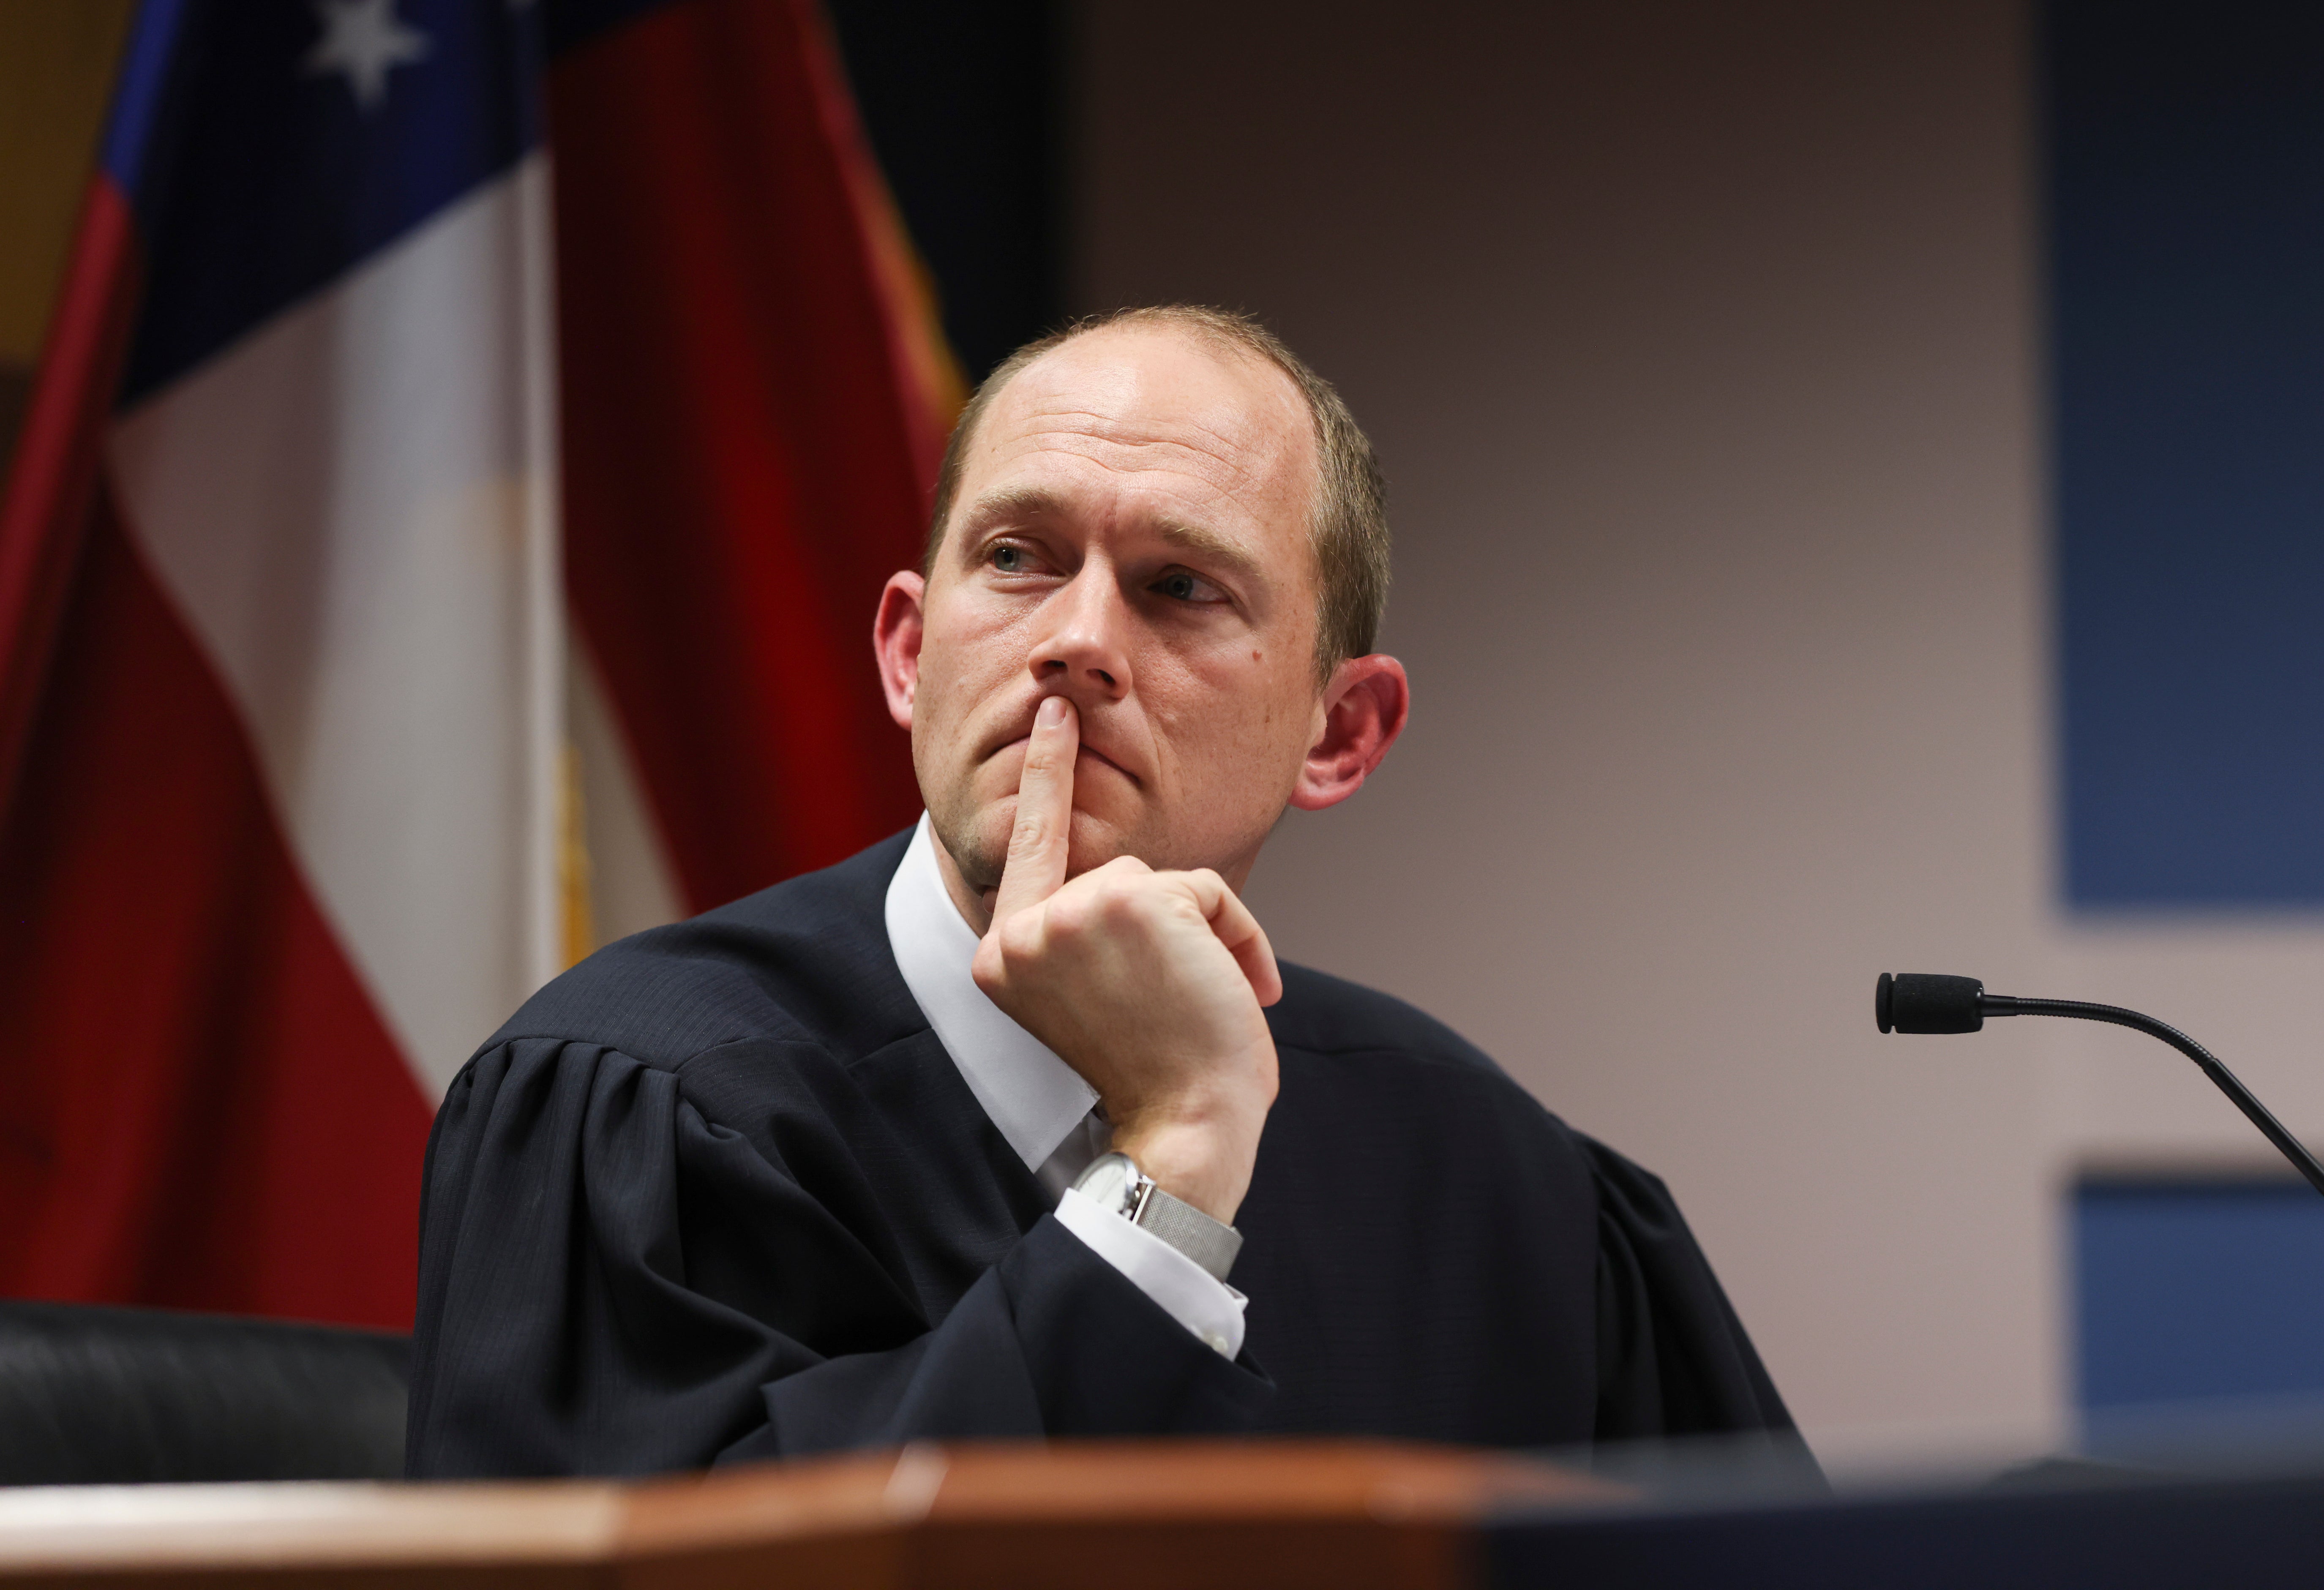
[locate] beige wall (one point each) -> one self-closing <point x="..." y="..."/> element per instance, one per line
<point x="1700" y="344"/>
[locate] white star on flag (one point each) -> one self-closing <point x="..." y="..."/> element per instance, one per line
<point x="363" y="39"/>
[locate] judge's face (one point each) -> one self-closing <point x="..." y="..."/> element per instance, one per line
<point x="1130" y="532"/>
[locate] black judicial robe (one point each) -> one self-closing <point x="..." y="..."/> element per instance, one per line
<point x="719" y="1194"/>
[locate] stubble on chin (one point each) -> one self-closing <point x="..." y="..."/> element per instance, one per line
<point x="977" y="838"/>
<point x="979" y="856"/>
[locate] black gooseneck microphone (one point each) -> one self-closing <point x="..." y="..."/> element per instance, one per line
<point x="1925" y="1001"/>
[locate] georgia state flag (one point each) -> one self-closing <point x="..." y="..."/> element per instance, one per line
<point x="336" y="712"/>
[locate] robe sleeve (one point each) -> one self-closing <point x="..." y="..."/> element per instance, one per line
<point x="1673" y="1359"/>
<point x="611" y="1282"/>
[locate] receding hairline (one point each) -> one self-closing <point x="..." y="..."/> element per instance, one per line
<point x="1224" y="349"/>
<point x="1221" y="347"/>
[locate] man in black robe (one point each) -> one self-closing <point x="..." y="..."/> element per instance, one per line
<point x="963" y="1137"/>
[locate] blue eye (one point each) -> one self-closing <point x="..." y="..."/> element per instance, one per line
<point x="1009" y="559"/>
<point x="1180" y="585"/>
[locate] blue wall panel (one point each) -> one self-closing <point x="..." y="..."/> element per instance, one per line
<point x="2186" y="193"/>
<point x="2187" y="1291"/>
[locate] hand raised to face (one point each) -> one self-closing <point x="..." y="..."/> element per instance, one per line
<point x="1149" y="984"/>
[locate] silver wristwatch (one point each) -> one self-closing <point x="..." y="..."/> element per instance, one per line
<point x="1120" y="1188"/>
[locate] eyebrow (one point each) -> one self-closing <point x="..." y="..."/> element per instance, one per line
<point x="1010" y="502"/>
<point x="1213" y="546"/>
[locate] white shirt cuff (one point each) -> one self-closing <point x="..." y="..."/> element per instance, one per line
<point x="1187" y="1292"/>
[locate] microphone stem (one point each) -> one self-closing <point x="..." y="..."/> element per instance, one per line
<point x="2002" y="1005"/>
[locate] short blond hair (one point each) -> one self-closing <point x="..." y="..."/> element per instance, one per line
<point x="1348" y="521"/>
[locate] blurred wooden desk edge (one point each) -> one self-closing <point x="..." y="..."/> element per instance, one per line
<point x="1119" y="1514"/>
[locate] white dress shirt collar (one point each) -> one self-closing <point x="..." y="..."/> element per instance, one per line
<point x="1041" y="1105"/>
<point x="1034" y="1098"/>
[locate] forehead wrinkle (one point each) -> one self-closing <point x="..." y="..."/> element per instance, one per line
<point x="1247" y="458"/>
<point x="1226" y="441"/>
<point x="1226" y="447"/>
<point x="1111" y="427"/>
<point x="1218" y="474"/>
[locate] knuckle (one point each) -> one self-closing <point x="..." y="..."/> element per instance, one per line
<point x="1068" y="917"/>
<point x="1018" y="941"/>
<point x="1029" y="834"/>
<point x="1121" y="900"/>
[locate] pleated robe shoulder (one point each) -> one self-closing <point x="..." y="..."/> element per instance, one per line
<point x="719" y="1194"/>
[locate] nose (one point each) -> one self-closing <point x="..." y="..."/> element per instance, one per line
<point x="1083" y="647"/>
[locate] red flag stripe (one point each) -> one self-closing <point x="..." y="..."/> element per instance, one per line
<point x="746" y="460"/>
<point x="201" y="1108"/>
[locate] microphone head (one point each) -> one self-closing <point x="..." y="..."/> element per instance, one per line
<point x="1928" y="1002"/>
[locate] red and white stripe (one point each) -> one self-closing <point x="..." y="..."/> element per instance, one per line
<point x="337" y="711"/>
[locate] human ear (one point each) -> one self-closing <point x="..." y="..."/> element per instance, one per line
<point x="896" y="634"/>
<point x="1364" y="708"/>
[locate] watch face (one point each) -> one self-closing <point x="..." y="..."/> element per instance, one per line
<point x="1108" y="1180"/>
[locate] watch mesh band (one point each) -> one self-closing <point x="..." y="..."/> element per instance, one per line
<point x="1204" y="1240"/>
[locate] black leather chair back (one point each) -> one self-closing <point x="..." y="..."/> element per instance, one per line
<point x="115" y="1396"/>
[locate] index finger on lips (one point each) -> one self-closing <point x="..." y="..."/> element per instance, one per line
<point x="1036" y="867"/>
<point x="1239" y="932"/>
